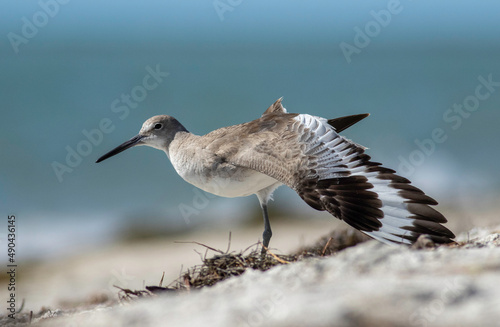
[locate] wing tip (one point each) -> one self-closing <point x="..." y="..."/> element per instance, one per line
<point x="342" y="123"/>
<point x="409" y="234"/>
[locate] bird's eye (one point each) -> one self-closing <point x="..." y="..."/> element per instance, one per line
<point x="158" y="126"/>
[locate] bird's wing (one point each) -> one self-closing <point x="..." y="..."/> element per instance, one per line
<point x="331" y="173"/>
<point x="339" y="124"/>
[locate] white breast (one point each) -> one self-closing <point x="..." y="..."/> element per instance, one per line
<point x="224" y="179"/>
<point x="247" y="182"/>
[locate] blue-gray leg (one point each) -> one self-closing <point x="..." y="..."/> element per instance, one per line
<point x="266" y="236"/>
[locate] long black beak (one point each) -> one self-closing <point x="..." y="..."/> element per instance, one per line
<point x="122" y="147"/>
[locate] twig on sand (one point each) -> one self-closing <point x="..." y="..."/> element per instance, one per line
<point x="161" y="280"/>
<point x="126" y="294"/>
<point x="187" y="282"/>
<point x="255" y="244"/>
<point x="275" y="256"/>
<point x="201" y="244"/>
<point x="326" y="246"/>
<point x="228" y="243"/>
<point x="21" y="308"/>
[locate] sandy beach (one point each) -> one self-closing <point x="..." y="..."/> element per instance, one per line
<point x="393" y="286"/>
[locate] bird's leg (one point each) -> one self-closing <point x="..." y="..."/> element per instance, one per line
<point x="264" y="196"/>
<point x="266" y="236"/>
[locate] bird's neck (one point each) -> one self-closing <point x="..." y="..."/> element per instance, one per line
<point x="181" y="141"/>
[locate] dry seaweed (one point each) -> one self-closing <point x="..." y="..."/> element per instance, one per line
<point x="334" y="242"/>
<point x="221" y="266"/>
<point x="225" y="264"/>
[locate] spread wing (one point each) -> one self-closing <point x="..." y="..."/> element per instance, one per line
<point x="331" y="173"/>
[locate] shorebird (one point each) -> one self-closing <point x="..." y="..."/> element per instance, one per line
<point x="305" y="153"/>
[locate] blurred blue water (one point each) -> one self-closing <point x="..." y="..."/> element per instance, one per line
<point x="66" y="78"/>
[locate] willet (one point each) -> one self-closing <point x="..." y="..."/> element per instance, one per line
<point x="305" y="153"/>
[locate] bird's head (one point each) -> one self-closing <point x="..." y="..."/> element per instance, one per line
<point x="156" y="132"/>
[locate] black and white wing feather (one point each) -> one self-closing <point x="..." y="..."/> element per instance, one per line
<point x="331" y="173"/>
<point x="367" y="196"/>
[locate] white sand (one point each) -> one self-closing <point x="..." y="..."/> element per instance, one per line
<point x="368" y="285"/>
